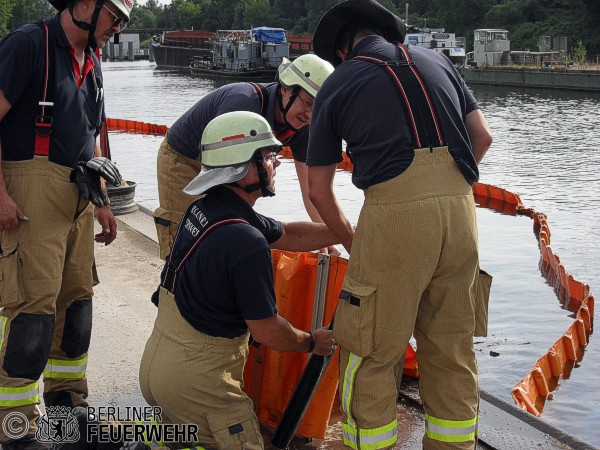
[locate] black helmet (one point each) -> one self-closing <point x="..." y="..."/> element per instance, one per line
<point x="59" y="4"/>
<point x="350" y="12"/>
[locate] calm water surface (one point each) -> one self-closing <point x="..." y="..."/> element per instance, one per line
<point x="546" y="148"/>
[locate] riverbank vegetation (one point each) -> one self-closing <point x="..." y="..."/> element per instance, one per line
<point x="526" y="20"/>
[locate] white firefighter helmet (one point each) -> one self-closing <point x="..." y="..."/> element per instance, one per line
<point x="307" y="71"/>
<point x="229" y="142"/>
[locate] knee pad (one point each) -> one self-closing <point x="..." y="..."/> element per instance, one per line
<point x="28" y="345"/>
<point x="77" y="331"/>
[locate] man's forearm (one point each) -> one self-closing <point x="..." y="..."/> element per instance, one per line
<point x="305" y="236"/>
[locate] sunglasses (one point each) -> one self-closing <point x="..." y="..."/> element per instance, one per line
<point x="117" y="21"/>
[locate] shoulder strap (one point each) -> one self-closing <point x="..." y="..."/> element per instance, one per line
<point x="420" y="110"/>
<point x="176" y="260"/>
<point x="264" y="97"/>
<point x="43" y="122"/>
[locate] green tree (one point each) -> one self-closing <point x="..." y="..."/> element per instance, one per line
<point x="5" y="15"/>
<point x="508" y="13"/>
<point x="258" y="13"/>
<point x="291" y="15"/>
<point x="580" y="53"/>
<point x="28" y="11"/>
<point x="189" y="15"/>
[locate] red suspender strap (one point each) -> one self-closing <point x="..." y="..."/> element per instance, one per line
<point x="420" y="110"/>
<point x="188" y="245"/>
<point x="43" y="122"/>
<point x="263" y="96"/>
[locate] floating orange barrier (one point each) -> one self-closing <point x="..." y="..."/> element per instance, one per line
<point x="135" y="127"/>
<point x="529" y="394"/>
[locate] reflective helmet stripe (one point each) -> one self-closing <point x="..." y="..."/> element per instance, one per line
<point x="236" y="141"/>
<point x="304" y="78"/>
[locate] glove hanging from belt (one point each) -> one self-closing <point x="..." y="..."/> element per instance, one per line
<point x="87" y="176"/>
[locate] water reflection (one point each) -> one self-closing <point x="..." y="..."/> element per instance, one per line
<point x="546" y="148"/>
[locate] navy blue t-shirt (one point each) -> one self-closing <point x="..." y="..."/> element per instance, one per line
<point x="185" y="134"/>
<point x="228" y="278"/>
<point x="76" y="110"/>
<point x="359" y="103"/>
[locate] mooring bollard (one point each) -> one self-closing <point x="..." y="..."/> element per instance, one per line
<point x="130" y="54"/>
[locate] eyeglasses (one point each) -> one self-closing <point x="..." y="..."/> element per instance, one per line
<point x="118" y="21"/>
<point x="270" y="157"/>
<point x="307" y="105"/>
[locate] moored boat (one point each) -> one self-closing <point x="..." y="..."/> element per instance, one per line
<point x="493" y="62"/>
<point x="438" y="40"/>
<point x="176" y="49"/>
<point x="244" y="54"/>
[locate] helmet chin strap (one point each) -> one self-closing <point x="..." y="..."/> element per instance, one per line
<point x="90" y="27"/>
<point x="288" y="106"/>
<point x="263" y="179"/>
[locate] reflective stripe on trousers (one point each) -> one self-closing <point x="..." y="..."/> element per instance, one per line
<point x="450" y="430"/>
<point x="18" y="396"/>
<point x="361" y="438"/>
<point x="59" y="368"/>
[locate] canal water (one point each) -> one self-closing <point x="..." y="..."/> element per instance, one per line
<point x="546" y="148"/>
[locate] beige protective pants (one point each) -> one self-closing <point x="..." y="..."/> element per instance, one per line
<point x="413" y="269"/>
<point x="198" y="379"/>
<point x="46" y="273"/>
<point x="174" y="171"/>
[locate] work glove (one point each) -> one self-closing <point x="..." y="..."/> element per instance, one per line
<point x="87" y="177"/>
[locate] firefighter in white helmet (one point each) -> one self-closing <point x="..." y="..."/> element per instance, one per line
<point x="51" y="110"/>
<point x="286" y="105"/>
<point x="224" y="289"/>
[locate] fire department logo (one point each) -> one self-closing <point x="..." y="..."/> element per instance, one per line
<point x="57" y="425"/>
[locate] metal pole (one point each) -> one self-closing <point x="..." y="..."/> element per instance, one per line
<point x="320" y="294"/>
<point x="130" y="55"/>
<point x="121" y="52"/>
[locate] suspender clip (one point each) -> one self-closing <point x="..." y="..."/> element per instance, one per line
<point x="43" y="126"/>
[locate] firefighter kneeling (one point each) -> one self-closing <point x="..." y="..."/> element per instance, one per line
<point x="217" y="288"/>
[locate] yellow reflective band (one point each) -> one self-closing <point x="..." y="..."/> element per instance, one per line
<point x="450" y="430"/>
<point x="3" y="321"/>
<point x="26" y="395"/>
<point x="354" y="363"/>
<point x="60" y="368"/>
<point x="349" y="435"/>
<point x="151" y="441"/>
<point x="372" y="438"/>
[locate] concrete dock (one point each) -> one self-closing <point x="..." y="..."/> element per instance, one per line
<point x="129" y="272"/>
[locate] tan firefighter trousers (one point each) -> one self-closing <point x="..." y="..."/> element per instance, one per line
<point x="46" y="268"/>
<point x="174" y="171"/>
<point x="413" y="269"/>
<point x="198" y="379"/>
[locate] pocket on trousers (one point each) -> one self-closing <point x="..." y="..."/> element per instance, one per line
<point x="11" y="278"/>
<point x="484" y="284"/>
<point x="354" y="323"/>
<point x="235" y="428"/>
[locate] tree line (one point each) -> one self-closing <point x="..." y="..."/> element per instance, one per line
<point x="526" y="20"/>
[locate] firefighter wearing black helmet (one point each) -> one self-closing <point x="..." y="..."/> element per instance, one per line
<point x="51" y="109"/>
<point x="416" y="136"/>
